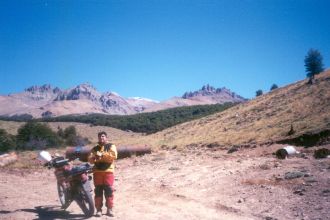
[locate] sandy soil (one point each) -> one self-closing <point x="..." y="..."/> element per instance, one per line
<point x="189" y="184"/>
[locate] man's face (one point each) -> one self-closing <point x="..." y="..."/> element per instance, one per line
<point x="102" y="139"/>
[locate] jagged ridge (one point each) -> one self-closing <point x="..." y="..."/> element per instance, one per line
<point x="46" y="101"/>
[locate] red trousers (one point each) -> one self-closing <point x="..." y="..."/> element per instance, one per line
<point x="103" y="182"/>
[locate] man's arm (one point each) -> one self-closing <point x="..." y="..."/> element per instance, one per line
<point x="91" y="157"/>
<point x="111" y="155"/>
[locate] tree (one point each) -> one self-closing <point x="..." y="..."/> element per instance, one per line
<point x="34" y="135"/>
<point x="274" y="86"/>
<point x="71" y="137"/>
<point x="259" y="92"/>
<point x="7" y="141"/>
<point x="313" y="63"/>
<point x="70" y="131"/>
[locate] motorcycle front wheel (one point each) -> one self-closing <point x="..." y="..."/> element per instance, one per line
<point x="84" y="199"/>
<point x="63" y="196"/>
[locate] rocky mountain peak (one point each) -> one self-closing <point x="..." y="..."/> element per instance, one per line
<point x="209" y="91"/>
<point x="38" y="93"/>
<point x="86" y="86"/>
<point x="208" y="88"/>
<point x="46" y="101"/>
<point x="204" y="91"/>
<point x="46" y="88"/>
<point x="82" y="91"/>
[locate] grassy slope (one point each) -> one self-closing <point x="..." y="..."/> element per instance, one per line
<point x="265" y="118"/>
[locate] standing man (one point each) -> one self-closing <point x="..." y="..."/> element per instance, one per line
<point x="103" y="156"/>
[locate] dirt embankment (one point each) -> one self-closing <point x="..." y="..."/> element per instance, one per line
<point x="190" y="184"/>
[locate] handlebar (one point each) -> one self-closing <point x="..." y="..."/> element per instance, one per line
<point x="57" y="162"/>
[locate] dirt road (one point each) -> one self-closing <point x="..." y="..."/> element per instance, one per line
<point x="191" y="184"/>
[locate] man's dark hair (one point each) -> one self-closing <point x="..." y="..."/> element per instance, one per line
<point x="101" y="133"/>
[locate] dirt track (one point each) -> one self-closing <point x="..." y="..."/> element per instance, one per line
<point x="191" y="184"/>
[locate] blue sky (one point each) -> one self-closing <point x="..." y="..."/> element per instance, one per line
<point x="160" y="48"/>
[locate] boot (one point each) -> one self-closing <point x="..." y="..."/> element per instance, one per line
<point x="98" y="213"/>
<point x="110" y="212"/>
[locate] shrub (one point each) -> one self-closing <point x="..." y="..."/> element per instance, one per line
<point x="259" y="92"/>
<point x="70" y="131"/>
<point x="34" y="135"/>
<point x="71" y="138"/>
<point x="7" y="141"/>
<point x="274" y="86"/>
<point x="76" y="141"/>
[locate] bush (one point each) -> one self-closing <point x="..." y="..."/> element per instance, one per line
<point x="70" y="136"/>
<point x="259" y="92"/>
<point x="34" y="135"/>
<point x="274" y="86"/>
<point x="70" y="131"/>
<point x="76" y="141"/>
<point x="7" y="141"/>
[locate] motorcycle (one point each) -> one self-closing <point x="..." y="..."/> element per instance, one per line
<point x="73" y="182"/>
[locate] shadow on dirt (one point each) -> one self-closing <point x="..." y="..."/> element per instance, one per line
<point x="309" y="140"/>
<point x="52" y="213"/>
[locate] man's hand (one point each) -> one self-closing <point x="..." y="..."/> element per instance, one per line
<point x="98" y="156"/>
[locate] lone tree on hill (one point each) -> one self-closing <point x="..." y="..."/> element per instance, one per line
<point x="313" y="64"/>
<point x="274" y="86"/>
<point x="259" y="92"/>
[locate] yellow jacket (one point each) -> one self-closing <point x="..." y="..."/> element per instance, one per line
<point x="103" y="156"/>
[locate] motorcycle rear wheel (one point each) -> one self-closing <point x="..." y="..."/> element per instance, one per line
<point x="85" y="200"/>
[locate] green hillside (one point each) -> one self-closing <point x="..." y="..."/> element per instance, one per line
<point x="145" y="122"/>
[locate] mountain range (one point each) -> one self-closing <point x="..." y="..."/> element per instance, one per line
<point x="48" y="101"/>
